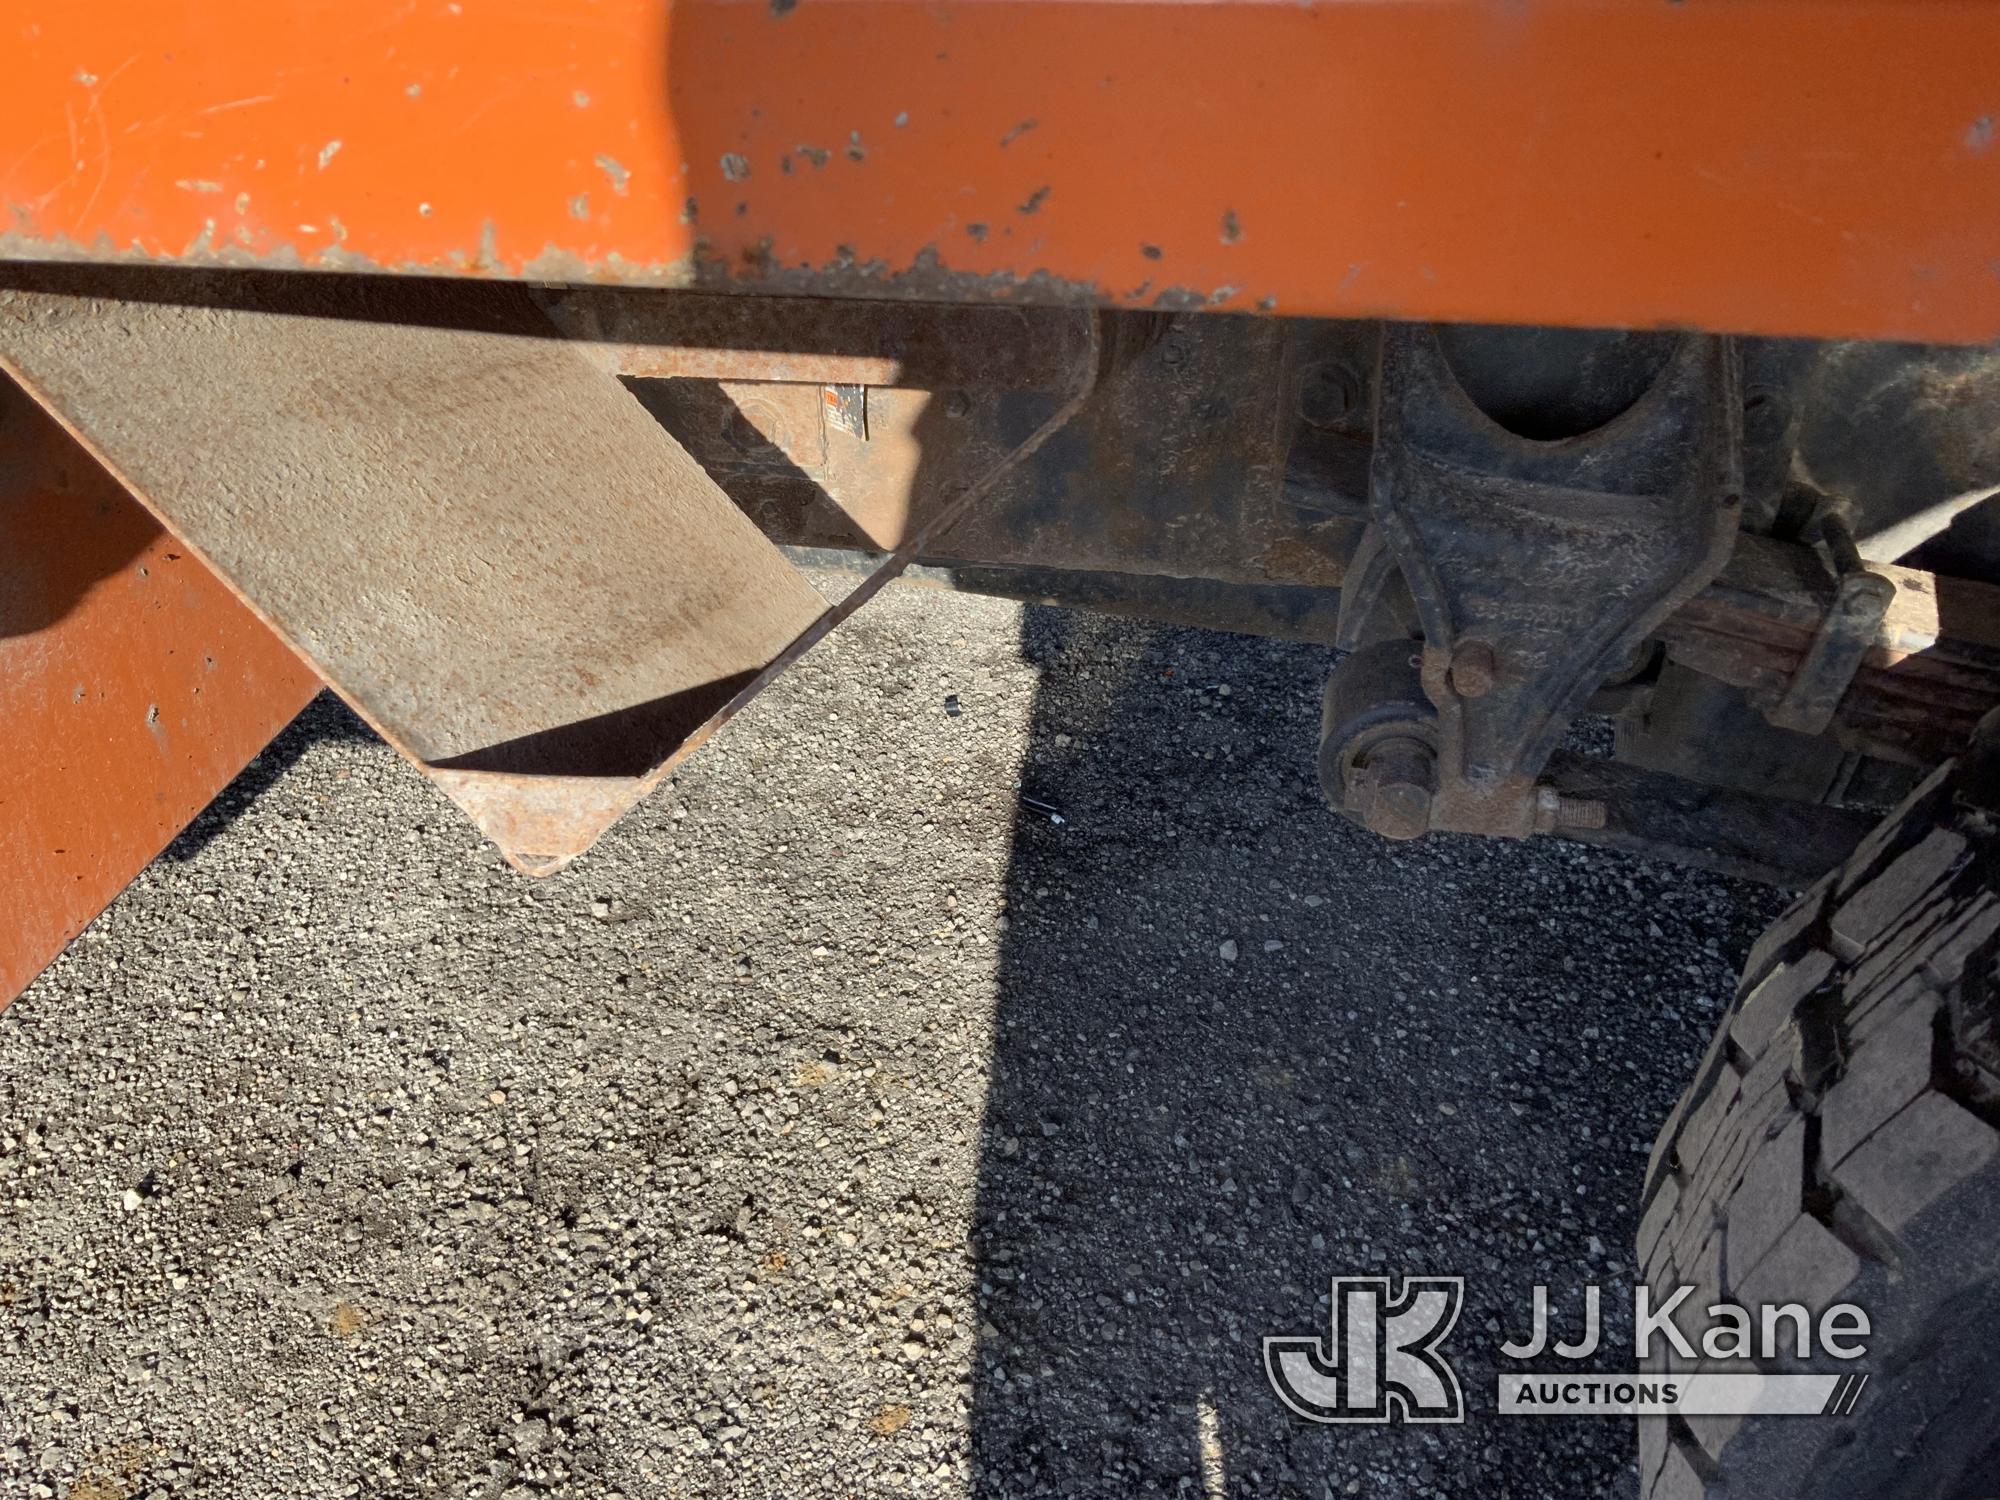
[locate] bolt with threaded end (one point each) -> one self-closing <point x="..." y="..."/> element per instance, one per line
<point x="1553" y="810"/>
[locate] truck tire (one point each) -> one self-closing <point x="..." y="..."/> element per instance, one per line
<point x="1839" y="1144"/>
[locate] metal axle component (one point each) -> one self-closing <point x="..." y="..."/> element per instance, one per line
<point x="1538" y="559"/>
<point x="1390" y="792"/>
<point x="1554" y="811"/>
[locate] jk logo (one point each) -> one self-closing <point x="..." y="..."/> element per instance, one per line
<point x="1381" y="1362"/>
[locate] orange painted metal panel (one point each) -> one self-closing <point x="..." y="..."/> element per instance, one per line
<point x="1802" y="166"/>
<point x="133" y="687"/>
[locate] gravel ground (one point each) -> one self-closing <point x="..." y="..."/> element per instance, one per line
<point x="837" y="1127"/>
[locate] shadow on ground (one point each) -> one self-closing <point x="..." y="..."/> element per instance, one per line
<point x="325" y="718"/>
<point x="1445" y="1058"/>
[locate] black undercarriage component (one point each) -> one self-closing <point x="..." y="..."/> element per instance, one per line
<point x="1529" y="537"/>
<point x="1537" y="568"/>
<point x="1753" y="836"/>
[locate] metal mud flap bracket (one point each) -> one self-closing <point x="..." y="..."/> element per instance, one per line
<point x="1536" y="568"/>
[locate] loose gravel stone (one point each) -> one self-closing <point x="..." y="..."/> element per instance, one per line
<point x="839" y="1126"/>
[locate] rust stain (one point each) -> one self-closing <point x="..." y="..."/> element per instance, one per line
<point x="112" y="1475"/>
<point x="1297" y="561"/>
<point x="889" y="1421"/>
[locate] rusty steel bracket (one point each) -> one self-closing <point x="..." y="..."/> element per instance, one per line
<point x="1537" y="567"/>
<point x="1925" y="681"/>
<point x="1854" y="615"/>
<point x="1378" y="741"/>
<point x="463" y="521"/>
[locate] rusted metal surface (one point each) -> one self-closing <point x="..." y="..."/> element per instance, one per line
<point x="1680" y="722"/>
<point x="1255" y="506"/>
<point x="1861" y="597"/>
<point x="1378" y="740"/>
<point x="133" y="688"/>
<point x="1176" y="467"/>
<point x="1225" y="460"/>
<point x="1143" y="153"/>
<point x="473" y="532"/>
<point x="1930" y="674"/>
<point x="819" y="341"/>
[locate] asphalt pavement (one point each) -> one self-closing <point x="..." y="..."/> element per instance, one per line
<point x="843" y="1124"/>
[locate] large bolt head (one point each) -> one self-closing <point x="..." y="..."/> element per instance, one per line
<point x="1474" y="667"/>
<point x="1399" y="811"/>
<point x="1392" y="790"/>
